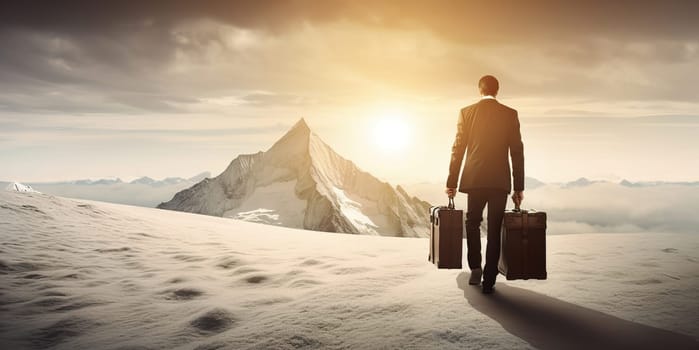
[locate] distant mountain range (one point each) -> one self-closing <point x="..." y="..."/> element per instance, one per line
<point x="657" y="183"/>
<point x="257" y="188"/>
<point x="530" y="182"/>
<point x="144" y="191"/>
<point x="433" y="192"/>
<point x="582" y="182"/>
<point x="145" y="180"/>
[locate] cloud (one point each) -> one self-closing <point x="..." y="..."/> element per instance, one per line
<point x="84" y="72"/>
<point x="269" y="99"/>
<point x="218" y="64"/>
<point x="504" y="21"/>
<point x="166" y="56"/>
<point x="608" y="206"/>
<point x="604" y="207"/>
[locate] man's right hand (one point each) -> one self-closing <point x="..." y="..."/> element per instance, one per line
<point x="451" y="192"/>
<point x="517" y="198"/>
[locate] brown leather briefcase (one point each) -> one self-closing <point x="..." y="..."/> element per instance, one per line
<point x="446" y="238"/>
<point x="523" y="245"/>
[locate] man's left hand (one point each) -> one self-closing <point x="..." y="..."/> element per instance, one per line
<point x="517" y="198"/>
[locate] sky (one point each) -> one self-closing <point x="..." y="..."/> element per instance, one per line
<point x="89" y="89"/>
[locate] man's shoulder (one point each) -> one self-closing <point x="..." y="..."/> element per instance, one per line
<point x="508" y="108"/>
<point x="468" y="108"/>
<point x="503" y="107"/>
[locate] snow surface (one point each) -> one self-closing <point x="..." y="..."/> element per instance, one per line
<point x="274" y="204"/>
<point x="354" y="211"/>
<point x="78" y="274"/>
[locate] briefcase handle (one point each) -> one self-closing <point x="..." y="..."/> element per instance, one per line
<point x="451" y="203"/>
<point x="517" y="209"/>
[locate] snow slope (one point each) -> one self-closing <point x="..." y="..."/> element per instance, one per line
<point x="79" y="274"/>
<point x="301" y="182"/>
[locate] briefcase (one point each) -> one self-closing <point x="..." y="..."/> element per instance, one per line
<point x="446" y="238"/>
<point x="523" y="245"/>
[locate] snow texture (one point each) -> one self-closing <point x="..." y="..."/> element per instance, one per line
<point x="301" y="182"/>
<point x="89" y="275"/>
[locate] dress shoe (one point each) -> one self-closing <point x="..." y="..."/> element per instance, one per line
<point x="475" y="278"/>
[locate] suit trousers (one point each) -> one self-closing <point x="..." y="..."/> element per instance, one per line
<point x="496" y="199"/>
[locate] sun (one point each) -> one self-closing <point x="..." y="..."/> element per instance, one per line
<point x="392" y="132"/>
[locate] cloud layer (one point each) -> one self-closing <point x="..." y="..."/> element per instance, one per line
<point x="167" y="56"/>
<point x="603" y="207"/>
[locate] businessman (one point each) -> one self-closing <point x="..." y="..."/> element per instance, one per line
<point x="486" y="131"/>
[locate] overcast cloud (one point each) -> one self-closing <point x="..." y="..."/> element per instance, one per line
<point x="154" y="65"/>
<point x="118" y="56"/>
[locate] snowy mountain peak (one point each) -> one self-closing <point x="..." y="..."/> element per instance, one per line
<point x="302" y="182"/>
<point x="299" y="132"/>
<point x="144" y="180"/>
<point x="18" y="187"/>
<point x="301" y="124"/>
<point x="292" y="147"/>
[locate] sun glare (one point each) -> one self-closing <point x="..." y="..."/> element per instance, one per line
<point x="392" y="132"/>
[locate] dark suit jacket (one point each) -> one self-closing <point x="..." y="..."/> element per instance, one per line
<point x="488" y="130"/>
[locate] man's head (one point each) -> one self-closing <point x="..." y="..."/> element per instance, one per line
<point x="488" y="85"/>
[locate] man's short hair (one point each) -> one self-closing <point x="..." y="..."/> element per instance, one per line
<point x="488" y="85"/>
